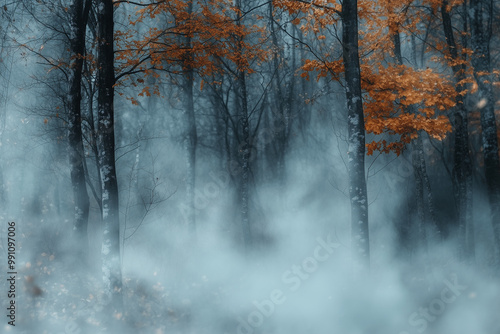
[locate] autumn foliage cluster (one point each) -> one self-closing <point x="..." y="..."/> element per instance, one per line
<point x="399" y="98"/>
<point x="202" y="36"/>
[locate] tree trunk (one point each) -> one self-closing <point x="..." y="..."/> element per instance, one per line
<point x="245" y="164"/>
<point x="280" y="108"/>
<point x="244" y="145"/>
<point x="79" y="13"/>
<point x="462" y="166"/>
<point x="481" y="12"/>
<point x="106" y="146"/>
<point x="190" y="136"/>
<point x="304" y="116"/>
<point x="418" y="172"/>
<point x="360" y="242"/>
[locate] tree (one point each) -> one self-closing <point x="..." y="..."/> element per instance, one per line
<point x="398" y="102"/>
<point x="425" y="213"/>
<point x="281" y="99"/>
<point x="481" y="32"/>
<point x="190" y="136"/>
<point x="65" y="63"/>
<point x="207" y="39"/>
<point x="244" y="119"/>
<point x="79" y="14"/>
<point x="462" y="166"/>
<point x="360" y="241"/>
<point x="111" y="264"/>
<point x="351" y="68"/>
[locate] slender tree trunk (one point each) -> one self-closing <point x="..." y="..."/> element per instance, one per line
<point x="304" y="116"/>
<point x="79" y="13"/>
<point x="190" y="142"/>
<point x="292" y="91"/>
<point x="435" y="228"/>
<point x="190" y="137"/>
<point x="462" y="166"/>
<point x="481" y="20"/>
<point x="245" y="164"/>
<point x="111" y="264"/>
<point x="360" y="242"/>
<point x="421" y="242"/>
<point x="470" y="232"/>
<point x="280" y="107"/>
<point x="221" y="121"/>
<point x="244" y="145"/>
<point x="96" y="190"/>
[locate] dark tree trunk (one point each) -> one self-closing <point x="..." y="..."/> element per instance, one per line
<point x="111" y="264"/>
<point x="462" y="166"/>
<point x="481" y="18"/>
<point x="304" y="116"/>
<point x="360" y="242"/>
<point x="431" y="213"/>
<point x="221" y="111"/>
<point x="245" y="161"/>
<point x="79" y="13"/>
<point x="280" y="107"/>
<point x="418" y="164"/>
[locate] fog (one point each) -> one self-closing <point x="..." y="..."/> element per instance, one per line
<point x="297" y="275"/>
<point x="299" y="279"/>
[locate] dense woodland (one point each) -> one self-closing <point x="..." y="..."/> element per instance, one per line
<point x="230" y="166"/>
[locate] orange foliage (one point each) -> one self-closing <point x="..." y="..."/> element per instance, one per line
<point x="398" y="100"/>
<point x="211" y="29"/>
<point x="403" y="101"/>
